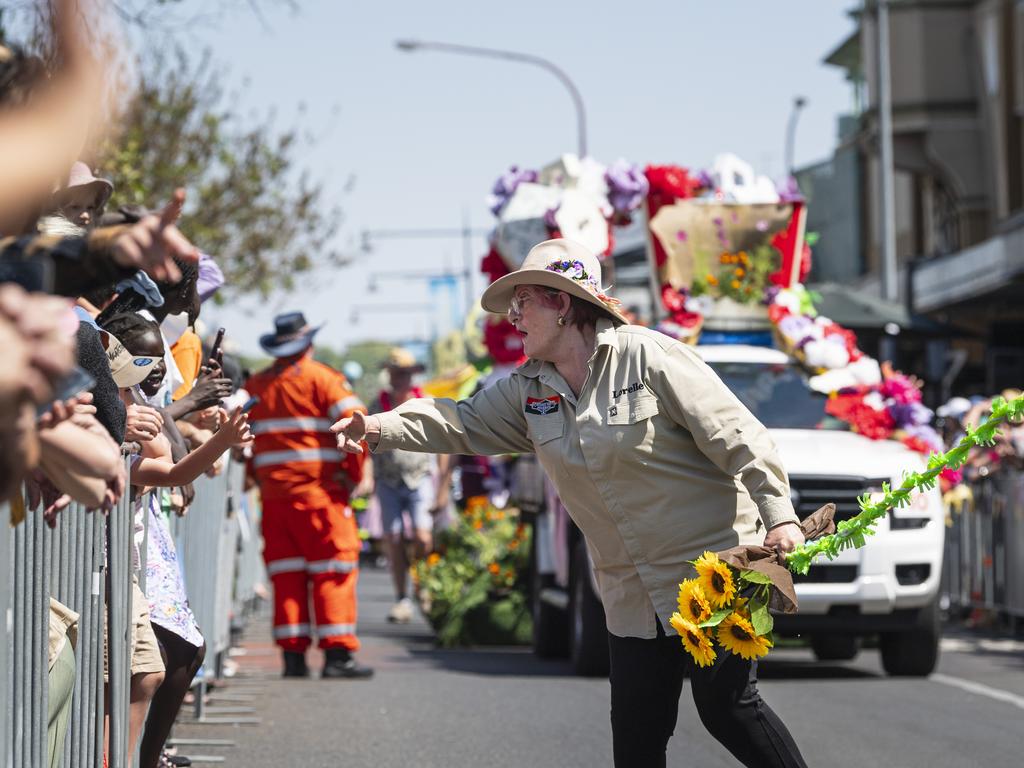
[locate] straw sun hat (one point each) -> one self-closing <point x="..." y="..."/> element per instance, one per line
<point x="560" y="264"/>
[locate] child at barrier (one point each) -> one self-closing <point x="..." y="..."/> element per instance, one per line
<point x="173" y="625"/>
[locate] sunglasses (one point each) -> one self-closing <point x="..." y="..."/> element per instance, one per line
<point x="516" y="304"/>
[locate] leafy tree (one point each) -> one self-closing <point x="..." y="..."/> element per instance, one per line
<point x="264" y="220"/>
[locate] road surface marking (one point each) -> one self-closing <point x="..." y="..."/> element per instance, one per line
<point x="981" y="690"/>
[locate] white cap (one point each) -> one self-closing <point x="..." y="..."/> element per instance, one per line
<point x="956" y="407"/>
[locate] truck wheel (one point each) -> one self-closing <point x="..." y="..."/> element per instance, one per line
<point x="589" y="633"/>
<point x="835" y="647"/>
<point x="913" y="652"/>
<point x="550" y="623"/>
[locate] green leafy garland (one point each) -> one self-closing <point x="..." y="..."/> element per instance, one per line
<point x="851" y="534"/>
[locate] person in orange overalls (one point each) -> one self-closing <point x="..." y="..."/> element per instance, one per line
<point x="310" y="538"/>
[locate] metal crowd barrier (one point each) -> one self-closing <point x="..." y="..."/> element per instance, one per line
<point x="69" y="564"/>
<point x="984" y="562"/>
<point x="86" y="564"/>
<point x="205" y="539"/>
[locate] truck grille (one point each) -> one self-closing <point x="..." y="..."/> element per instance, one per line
<point x="810" y="493"/>
<point x="828" y="574"/>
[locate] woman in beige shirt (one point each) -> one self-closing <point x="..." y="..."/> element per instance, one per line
<point x="656" y="462"/>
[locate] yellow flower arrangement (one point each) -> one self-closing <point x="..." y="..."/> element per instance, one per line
<point x="695" y="640"/>
<point x="693" y="605"/>
<point x="715" y="579"/>
<point x="736" y="634"/>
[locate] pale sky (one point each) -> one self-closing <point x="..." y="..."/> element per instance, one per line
<point x="425" y="134"/>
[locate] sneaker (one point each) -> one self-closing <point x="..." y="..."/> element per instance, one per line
<point x="339" y="663"/>
<point x="401" y="612"/>
<point x="295" y="664"/>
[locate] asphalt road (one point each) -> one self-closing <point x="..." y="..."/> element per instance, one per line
<point x="438" y="708"/>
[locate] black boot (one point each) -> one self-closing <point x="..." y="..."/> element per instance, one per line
<point x="295" y="664"/>
<point x="338" y="662"/>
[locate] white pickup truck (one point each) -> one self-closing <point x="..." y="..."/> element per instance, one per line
<point x="889" y="588"/>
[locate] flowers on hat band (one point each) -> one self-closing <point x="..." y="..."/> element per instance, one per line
<point x="576" y="271"/>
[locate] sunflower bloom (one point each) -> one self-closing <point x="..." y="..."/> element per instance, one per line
<point x="695" y="641"/>
<point x="693" y="606"/>
<point x="715" y="580"/>
<point x="737" y="635"/>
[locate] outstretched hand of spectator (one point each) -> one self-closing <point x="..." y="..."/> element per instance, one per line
<point x="154" y="242"/>
<point x="235" y="431"/>
<point x="142" y="423"/>
<point x="46" y="326"/>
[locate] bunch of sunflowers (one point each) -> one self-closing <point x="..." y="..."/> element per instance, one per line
<point x="725" y="607"/>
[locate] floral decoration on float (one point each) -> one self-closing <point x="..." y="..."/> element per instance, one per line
<point x="578" y="199"/>
<point x="728" y="245"/>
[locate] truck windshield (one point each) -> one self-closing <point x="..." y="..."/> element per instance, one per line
<point x="777" y="395"/>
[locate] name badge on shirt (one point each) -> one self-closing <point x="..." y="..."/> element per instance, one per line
<point x="541" y="406"/>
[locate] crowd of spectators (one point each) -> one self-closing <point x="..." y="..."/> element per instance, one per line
<point x="959" y="413"/>
<point x="106" y="390"/>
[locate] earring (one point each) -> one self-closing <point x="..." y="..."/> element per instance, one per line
<point x="561" y="319"/>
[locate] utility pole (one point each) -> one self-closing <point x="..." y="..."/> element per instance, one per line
<point x="888" y="271"/>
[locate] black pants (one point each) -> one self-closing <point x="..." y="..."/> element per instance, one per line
<point x="647" y="678"/>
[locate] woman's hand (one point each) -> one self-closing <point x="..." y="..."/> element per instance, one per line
<point x="142" y="423"/>
<point x="784" y="537"/>
<point x="356" y="428"/>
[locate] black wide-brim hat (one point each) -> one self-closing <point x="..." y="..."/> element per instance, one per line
<point x="292" y="334"/>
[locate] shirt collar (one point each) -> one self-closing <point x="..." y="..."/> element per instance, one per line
<point x="606" y="334"/>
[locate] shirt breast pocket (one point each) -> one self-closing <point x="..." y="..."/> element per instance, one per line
<point x="544" y="429"/>
<point x="633" y="410"/>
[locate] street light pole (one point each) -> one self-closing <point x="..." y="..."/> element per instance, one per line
<point x="889" y="274"/>
<point x="410" y="46"/>
<point x="798" y="104"/>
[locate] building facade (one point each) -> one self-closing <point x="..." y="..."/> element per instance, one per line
<point x="957" y="84"/>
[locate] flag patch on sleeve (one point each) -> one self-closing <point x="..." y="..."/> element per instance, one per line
<point x="542" y="406"/>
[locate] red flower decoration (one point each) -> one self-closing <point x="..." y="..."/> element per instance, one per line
<point x="861" y="417"/>
<point x="675" y="302"/>
<point x="502" y="340"/>
<point x="671" y="181"/>
<point x="493" y="265"/>
<point x="667" y="183"/>
<point x="776" y="312"/>
<point x="850" y="339"/>
<point x="917" y="444"/>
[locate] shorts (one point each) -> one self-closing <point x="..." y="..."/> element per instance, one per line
<point x="145" y="649"/>
<point x="396" y="501"/>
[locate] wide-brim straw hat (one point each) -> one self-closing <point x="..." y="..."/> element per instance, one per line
<point x="402" y="360"/>
<point x="561" y="264"/>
